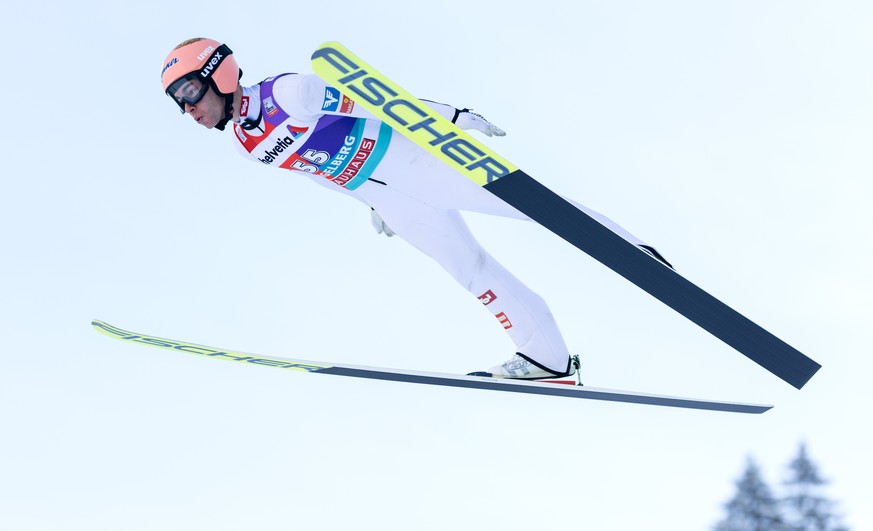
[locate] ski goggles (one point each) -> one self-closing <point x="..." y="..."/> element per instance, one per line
<point x="188" y="89"/>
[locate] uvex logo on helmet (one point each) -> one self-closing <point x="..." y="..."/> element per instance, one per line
<point x="205" y="53"/>
<point x="211" y="65"/>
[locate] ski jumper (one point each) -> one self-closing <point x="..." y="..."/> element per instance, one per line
<point x="297" y="122"/>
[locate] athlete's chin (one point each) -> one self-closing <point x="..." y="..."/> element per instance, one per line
<point x="206" y="122"/>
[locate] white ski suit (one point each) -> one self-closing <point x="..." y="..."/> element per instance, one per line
<point x="297" y="122"/>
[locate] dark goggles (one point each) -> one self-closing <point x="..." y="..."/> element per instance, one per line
<point x="189" y="89"/>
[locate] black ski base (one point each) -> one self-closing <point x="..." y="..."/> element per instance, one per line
<point x="554" y="213"/>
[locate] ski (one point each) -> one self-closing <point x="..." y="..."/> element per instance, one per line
<point x="450" y="380"/>
<point x="406" y="114"/>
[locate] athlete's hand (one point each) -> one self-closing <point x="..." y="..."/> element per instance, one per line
<point x="471" y="120"/>
<point x="379" y="225"/>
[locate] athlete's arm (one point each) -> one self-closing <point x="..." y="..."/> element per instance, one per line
<point x="318" y="98"/>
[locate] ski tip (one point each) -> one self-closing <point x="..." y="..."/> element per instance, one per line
<point x="329" y="45"/>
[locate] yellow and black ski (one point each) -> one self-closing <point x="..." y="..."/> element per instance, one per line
<point x="342" y="69"/>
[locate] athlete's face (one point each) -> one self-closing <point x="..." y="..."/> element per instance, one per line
<point x="198" y="99"/>
<point x="208" y="111"/>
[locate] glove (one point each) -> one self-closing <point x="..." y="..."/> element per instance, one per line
<point x="471" y="120"/>
<point x="379" y="225"/>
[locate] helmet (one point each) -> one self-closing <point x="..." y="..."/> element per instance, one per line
<point x="195" y="65"/>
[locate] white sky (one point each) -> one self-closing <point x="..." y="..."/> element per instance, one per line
<point x="734" y="136"/>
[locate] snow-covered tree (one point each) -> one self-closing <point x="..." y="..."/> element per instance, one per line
<point x="753" y="507"/>
<point x="805" y="506"/>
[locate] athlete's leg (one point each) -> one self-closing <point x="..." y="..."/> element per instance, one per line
<point x="426" y="178"/>
<point x="444" y="236"/>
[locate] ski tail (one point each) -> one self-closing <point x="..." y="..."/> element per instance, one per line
<point x="663" y="283"/>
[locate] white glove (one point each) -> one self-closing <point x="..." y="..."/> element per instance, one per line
<point x="379" y="225"/>
<point x="471" y="120"/>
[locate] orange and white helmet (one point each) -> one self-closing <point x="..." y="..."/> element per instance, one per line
<point x="195" y="65"/>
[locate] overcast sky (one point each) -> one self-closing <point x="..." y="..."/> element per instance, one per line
<point x="733" y="136"/>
